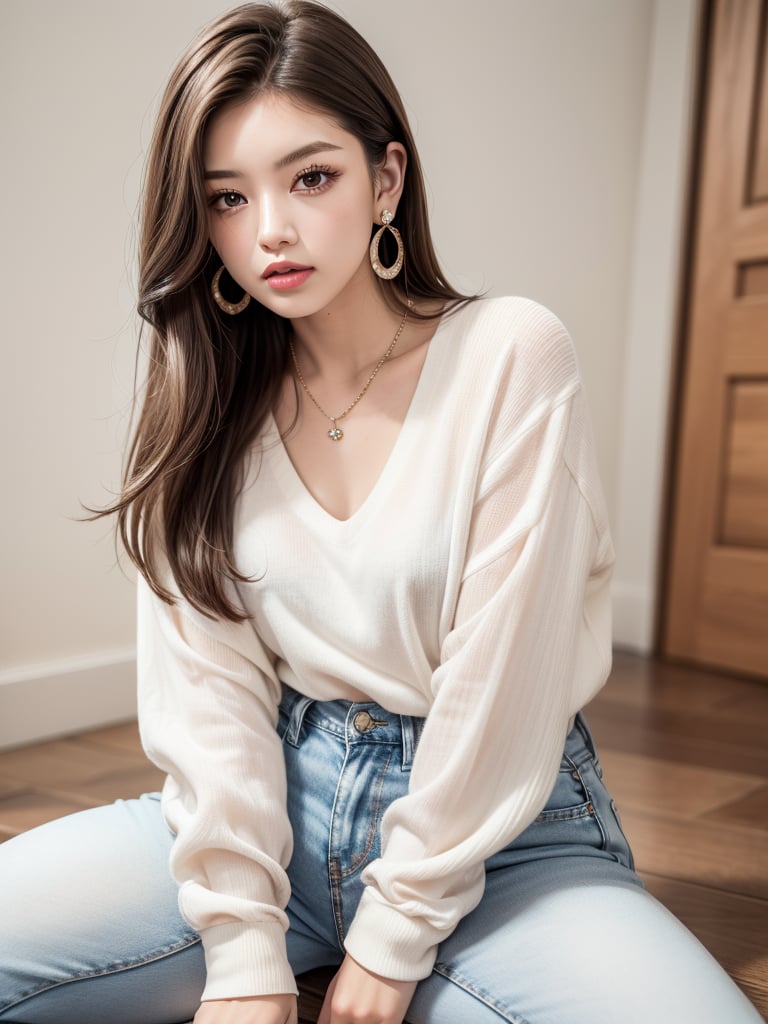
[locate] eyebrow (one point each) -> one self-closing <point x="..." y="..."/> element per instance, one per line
<point x="304" y="152"/>
<point x="290" y="158"/>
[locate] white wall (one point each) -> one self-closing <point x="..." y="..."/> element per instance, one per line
<point x="531" y="116"/>
<point x="652" y="318"/>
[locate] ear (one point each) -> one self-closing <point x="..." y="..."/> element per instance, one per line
<point x="390" y="179"/>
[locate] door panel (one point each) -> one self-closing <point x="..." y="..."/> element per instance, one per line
<point x="717" y="586"/>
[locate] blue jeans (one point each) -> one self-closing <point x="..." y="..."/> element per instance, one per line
<point x="90" y="930"/>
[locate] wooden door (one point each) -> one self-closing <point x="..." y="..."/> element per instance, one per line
<point x="717" y="586"/>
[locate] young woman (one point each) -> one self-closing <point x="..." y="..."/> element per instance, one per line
<point x="374" y="565"/>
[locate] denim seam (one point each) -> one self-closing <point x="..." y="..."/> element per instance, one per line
<point x="622" y="833"/>
<point x="567" y="813"/>
<point x="447" y="972"/>
<point x="593" y="805"/>
<point x="328" y="727"/>
<point x="340" y="733"/>
<point x="585" y="757"/>
<point x="337" y="909"/>
<point x="411" y="729"/>
<point x="334" y="864"/>
<point x="374" y="823"/>
<point x="116" y="968"/>
<point x="370" y="738"/>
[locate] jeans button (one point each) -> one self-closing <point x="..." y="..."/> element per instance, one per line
<point x="363" y="722"/>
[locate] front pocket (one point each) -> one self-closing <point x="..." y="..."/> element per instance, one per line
<point x="566" y="813"/>
<point x="570" y="797"/>
<point x="566" y="822"/>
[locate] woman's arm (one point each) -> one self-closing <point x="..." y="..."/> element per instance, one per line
<point x="207" y="711"/>
<point x="358" y="996"/>
<point x="529" y="645"/>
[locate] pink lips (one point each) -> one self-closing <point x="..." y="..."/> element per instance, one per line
<point x="284" y="275"/>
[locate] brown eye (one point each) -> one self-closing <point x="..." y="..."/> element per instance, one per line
<point x="226" y="201"/>
<point x="312" y="179"/>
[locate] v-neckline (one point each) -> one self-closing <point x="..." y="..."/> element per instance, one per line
<point x="292" y="481"/>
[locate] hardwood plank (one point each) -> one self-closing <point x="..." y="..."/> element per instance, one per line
<point x="29" y="808"/>
<point x="733" y="928"/>
<point x="664" y="787"/>
<point x="85" y="772"/>
<point x="733" y="859"/>
<point x="124" y="786"/>
<point x="64" y="761"/>
<point x="8" y="787"/>
<point x="681" y="737"/>
<point x="680" y="686"/>
<point x="644" y="682"/>
<point x="751" y="811"/>
<point x="124" y="737"/>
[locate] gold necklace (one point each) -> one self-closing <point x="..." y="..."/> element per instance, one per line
<point x="336" y="433"/>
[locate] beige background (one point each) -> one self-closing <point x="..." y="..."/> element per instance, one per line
<point x="554" y="135"/>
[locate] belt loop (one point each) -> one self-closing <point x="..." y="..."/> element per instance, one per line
<point x="411" y="731"/>
<point x="296" y="720"/>
<point x="581" y="725"/>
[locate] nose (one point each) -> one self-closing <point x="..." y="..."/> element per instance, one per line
<point x="276" y="227"/>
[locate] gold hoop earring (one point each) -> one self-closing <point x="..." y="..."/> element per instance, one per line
<point x="386" y="273"/>
<point x="233" y="308"/>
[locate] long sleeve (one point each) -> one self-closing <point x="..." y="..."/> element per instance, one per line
<point x="471" y="587"/>
<point x="529" y="645"/>
<point x="207" y="710"/>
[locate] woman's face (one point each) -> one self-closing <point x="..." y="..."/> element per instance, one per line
<point x="291" y="203"/>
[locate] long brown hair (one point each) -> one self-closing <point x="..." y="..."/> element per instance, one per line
<point x="212" y="379"/>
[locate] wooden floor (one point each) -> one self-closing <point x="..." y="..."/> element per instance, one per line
<point x="685" y="753"/>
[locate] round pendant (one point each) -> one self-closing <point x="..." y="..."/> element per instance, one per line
<point x="335" y="433"/>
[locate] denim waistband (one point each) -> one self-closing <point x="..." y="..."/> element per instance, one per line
<point x="369" y="722"/>
<point x="352" y="721"/>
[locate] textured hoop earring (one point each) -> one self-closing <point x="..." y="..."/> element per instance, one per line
<point x="233" y="308"/>
<point x="386" y="273"/>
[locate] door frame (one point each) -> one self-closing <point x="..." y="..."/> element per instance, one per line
<point x="655" y="311"/>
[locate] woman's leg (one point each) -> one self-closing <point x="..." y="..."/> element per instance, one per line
<point x="90" y="929"/>
<point x="565" y="933"/>
<point x="561" y="943"/>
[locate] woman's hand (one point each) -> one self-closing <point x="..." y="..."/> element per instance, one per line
<point x="357" y="996"/>
<point x="280" y="1009"/>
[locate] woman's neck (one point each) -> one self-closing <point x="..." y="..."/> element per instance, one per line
<point x="349" y="336"/>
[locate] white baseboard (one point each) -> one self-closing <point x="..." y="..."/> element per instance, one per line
<point x="42" y="702"/>
<point x="633" y="617"/>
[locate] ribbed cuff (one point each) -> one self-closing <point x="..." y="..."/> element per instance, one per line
<point x="246" y="960"/>
<point x="389" y="943"/>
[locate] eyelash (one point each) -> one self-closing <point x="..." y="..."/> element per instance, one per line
<point x="213" y="200"/>
<point x="216" y="199"/>
<point x="329" y="174"/>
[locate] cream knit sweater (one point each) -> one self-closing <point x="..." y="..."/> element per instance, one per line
<point x="470" y="587"/>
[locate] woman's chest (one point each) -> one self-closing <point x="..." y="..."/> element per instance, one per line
<point x="399" y="542"/>
<point x="378" y="584"/>
<point x="340" y="440"/>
